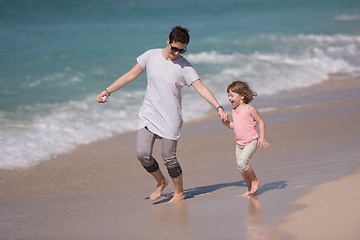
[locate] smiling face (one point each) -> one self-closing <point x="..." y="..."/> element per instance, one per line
<point x="175" y="48"/>
<point x="235" y="99"/>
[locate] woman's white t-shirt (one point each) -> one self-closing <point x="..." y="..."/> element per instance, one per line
<point x="161" y="110"/>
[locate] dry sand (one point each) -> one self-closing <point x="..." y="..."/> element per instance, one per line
<point x="331" y="211"/>
<point x="100" y="191"/>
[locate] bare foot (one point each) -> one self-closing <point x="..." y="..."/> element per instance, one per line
<point x="160" y="187"/>
<point x="177" y="197"/>
<point x="254" y="186"/>
<point x="246" y="194"/>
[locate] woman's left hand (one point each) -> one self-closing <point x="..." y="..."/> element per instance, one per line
<point x="223" y="115"/>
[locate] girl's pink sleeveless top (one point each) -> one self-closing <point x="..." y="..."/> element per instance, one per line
<point x="244" y="126"/>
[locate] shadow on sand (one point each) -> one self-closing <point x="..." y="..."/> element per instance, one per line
<point x="192" y="192"/>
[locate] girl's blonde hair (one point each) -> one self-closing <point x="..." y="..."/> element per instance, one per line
<point x="242" y="88"/>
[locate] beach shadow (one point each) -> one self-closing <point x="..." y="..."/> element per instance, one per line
<point x="192" y="192"/>
<point x="271" y="186"/>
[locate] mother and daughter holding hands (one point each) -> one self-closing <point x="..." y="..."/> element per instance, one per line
<point x="161" y="113"/>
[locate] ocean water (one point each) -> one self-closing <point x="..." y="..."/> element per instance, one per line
<point x="56" y="56"/>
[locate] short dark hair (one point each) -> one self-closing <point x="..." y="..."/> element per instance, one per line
<point x="243" y="89"/>
<point x="179" y="34"/>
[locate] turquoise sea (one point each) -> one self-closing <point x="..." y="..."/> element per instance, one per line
<point x="56" y="56"/>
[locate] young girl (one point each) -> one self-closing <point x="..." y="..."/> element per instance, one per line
<point x="244" y="119"/>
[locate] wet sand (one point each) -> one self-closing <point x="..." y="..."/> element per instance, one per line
<point x="100" y="190"/>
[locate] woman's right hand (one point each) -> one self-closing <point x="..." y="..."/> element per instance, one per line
<point x="102" y="97"/>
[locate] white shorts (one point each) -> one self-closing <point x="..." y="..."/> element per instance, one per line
<point x="244" y="153"/>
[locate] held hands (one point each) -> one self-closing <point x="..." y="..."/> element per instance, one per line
<point x="223" y="115"/>
<point x="263" y="143"/>
<point x="226" y="123"/>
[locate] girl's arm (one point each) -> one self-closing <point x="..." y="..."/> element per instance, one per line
<point x="209" y="97"/>
<point x="120" y="82"/>
<point x="255" y="114"/>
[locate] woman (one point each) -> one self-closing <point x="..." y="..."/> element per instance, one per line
<point x="160" y="115"/>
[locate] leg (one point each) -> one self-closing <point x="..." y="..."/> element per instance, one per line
<point x="162" y="183"/>
<point x="248" y="184"/>
<point x="255" y="182"/>
<point x="242" y="164"/>
<point x="144" y="147"/>
<point x="179" y="194"/>
<point x="173" y="167"/>
<point x="243" y="155"/>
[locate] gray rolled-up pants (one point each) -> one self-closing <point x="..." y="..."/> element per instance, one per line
<point x="144" y="147"/>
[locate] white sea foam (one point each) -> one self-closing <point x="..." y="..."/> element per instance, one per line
<point x="347" y="17"/>
<point x="52" y="129"/>
<point x="290" y="67"/>
<point x="59" y="128"/>
<point x="53" y="79"/>
<point x="211" y="57"/>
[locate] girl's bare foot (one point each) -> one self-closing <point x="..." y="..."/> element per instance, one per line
<point x="160" y="187"/>
<point x="177" y="197"/>
<point x="246" y="194"/>
<point x="254" y="186"/>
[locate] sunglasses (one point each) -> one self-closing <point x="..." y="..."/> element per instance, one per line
<point x="175" y="49"/>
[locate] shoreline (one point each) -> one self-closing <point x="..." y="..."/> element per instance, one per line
<point x="316" y="220"/>
<point x="321" y="206"/>
<point x="100" y="191"/>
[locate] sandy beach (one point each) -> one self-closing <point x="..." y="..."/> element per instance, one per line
<point x="330" y="211"/>
<point x="100" y="190"/>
